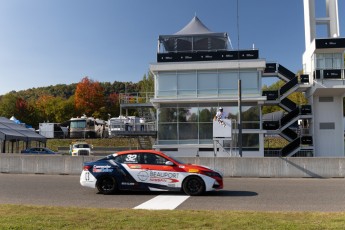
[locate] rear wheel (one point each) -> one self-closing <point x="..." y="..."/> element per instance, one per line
<point x="107" y="185"/>
<point x="193" y="186"/>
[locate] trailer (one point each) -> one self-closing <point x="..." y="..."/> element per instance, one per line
<point x="53" y="130"/>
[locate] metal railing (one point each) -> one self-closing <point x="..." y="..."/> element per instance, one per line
<point x="135" y="98"/>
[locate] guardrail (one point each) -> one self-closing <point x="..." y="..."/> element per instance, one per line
<point x="231" y="167"/>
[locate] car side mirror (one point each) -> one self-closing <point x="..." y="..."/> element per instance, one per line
<point x="169" y="163"/>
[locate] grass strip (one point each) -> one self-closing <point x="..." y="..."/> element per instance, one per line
<point x="37" y="217"/>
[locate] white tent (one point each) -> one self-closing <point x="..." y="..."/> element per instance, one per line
<point x="194" y="37"/>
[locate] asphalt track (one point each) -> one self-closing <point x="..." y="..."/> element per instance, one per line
<point x="255" y="194"/>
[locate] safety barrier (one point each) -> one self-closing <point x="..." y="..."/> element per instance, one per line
<point x="230" y="167"/>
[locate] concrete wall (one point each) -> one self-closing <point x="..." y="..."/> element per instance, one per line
<point x="231" y="167"/>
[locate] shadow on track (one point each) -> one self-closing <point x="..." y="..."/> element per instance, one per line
<point x="230" y="193"/>
<point x="220" y="193"/>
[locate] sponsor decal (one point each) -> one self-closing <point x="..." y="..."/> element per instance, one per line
<point x="158" y="176"/>
<point x="128" y="183"/>
<point x="131" y="158"/>
<point x="143" y="175"/>
<point x="102" y="168"/>
<point x="164" y="177"/>
<point x="135" y="166"/>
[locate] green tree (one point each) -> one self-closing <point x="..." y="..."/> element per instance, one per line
<point x="297" y="97"/>
<point x="8" y="105"/>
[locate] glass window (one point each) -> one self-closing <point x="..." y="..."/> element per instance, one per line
<point x="167" y="131"/>
<point x="250" y="141"/>
<point x="186" y="84"/>
<point x="206" y="114"/>
<point x="128" y="159"/>
<point x="166" y="84"/>
<point x="205" y="131"/>
<point x="207" y="83"/>
<point x="228" y="80"/>
<point x="188" y="131"/>
<point x="328" y="61"/>
<point x="186" y="81"/>
<point x="249" y="80"/>
<point x="250" y="113"/>
<point x="167" y="115"/>
<point x="207" y="80"/>
<point x="188" y="114"/>
<point x="337" y="61"/>
<point x="153" y="159"/>
<point x="78" y="124"/>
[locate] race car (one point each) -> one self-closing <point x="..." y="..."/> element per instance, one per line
<point x="148" y="170"/>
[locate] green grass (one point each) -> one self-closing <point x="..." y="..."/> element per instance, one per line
<point x="35" y="217"/>
<point x="107" y="142"/>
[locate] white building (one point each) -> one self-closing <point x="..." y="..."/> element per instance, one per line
<point x="196" y="73"/>
<point x="323" y="61"/>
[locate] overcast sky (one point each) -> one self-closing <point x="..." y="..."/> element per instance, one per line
<point x="49" y="42"/>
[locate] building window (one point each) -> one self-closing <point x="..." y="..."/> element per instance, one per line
<point x="250" y="142"/>
<point x="193" y="123"/>
<point x="207" y="83"/>
<point x="329" y="61"/>
<point x="194" y="84"/>
<point x="186" y="84"/>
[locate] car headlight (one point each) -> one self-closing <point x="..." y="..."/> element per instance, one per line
<point x="211" y="174"/>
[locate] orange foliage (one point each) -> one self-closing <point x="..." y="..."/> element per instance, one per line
<point x="89" y="96"/>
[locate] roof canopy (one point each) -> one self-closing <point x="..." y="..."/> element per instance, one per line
<point x="195" y="36"/>
<point x="10" y="131"/>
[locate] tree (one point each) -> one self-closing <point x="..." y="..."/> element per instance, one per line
<point x="89" y="96"/>
<point x="147" y="83"/>
<point x="297" y="97"/>
<point x="13" y="105"/>
<point x="8" y="105"/>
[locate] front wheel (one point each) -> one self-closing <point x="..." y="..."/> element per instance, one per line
<point x="107" y="185"/>
<point x="193" y="186"/>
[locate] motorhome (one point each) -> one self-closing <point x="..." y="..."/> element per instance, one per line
<point x="87" y="127"/>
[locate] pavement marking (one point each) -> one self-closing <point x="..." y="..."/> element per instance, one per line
<point x="163" y="202"/>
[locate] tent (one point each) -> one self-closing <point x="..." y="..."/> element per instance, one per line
<point x="12" y="132"/>
<point x="194" y="37"/>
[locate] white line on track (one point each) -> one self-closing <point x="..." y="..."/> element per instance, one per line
<point x="163" y="202"/>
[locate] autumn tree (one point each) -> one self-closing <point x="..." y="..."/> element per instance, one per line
<point x="89" y="96"/>
<point x="13" y="105"/>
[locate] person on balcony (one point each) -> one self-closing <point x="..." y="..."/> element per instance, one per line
<point x="220" y="116"/>
<point x="142" y="124"/>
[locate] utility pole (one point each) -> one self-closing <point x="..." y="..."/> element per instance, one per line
<point x="239" y="118"/>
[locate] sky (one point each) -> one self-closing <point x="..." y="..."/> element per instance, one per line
<point x="49" y="42"/>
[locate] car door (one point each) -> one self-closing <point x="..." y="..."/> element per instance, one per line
<point x="160" y="174"/>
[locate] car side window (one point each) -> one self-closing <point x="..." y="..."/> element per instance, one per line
<point x="128" y="159"/>
<point x="153" y="159"/>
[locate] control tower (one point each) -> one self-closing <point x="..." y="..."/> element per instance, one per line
<point x="323" y="61"/>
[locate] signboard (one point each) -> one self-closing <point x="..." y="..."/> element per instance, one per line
<point x="330" y="43"/>
<point x="207" y="56"/>
<point x="222" y="128"/>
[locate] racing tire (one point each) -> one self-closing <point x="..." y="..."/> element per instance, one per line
<point x="106" y="185"/>
<point x="193" y="186"/>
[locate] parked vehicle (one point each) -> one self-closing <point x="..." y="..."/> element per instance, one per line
<point x="148" y="170"/>
<point x="80" y="149"/>
<point x="87" y="127"/>
<point x="38" y="150"/>
<point x="53" y="130"/>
